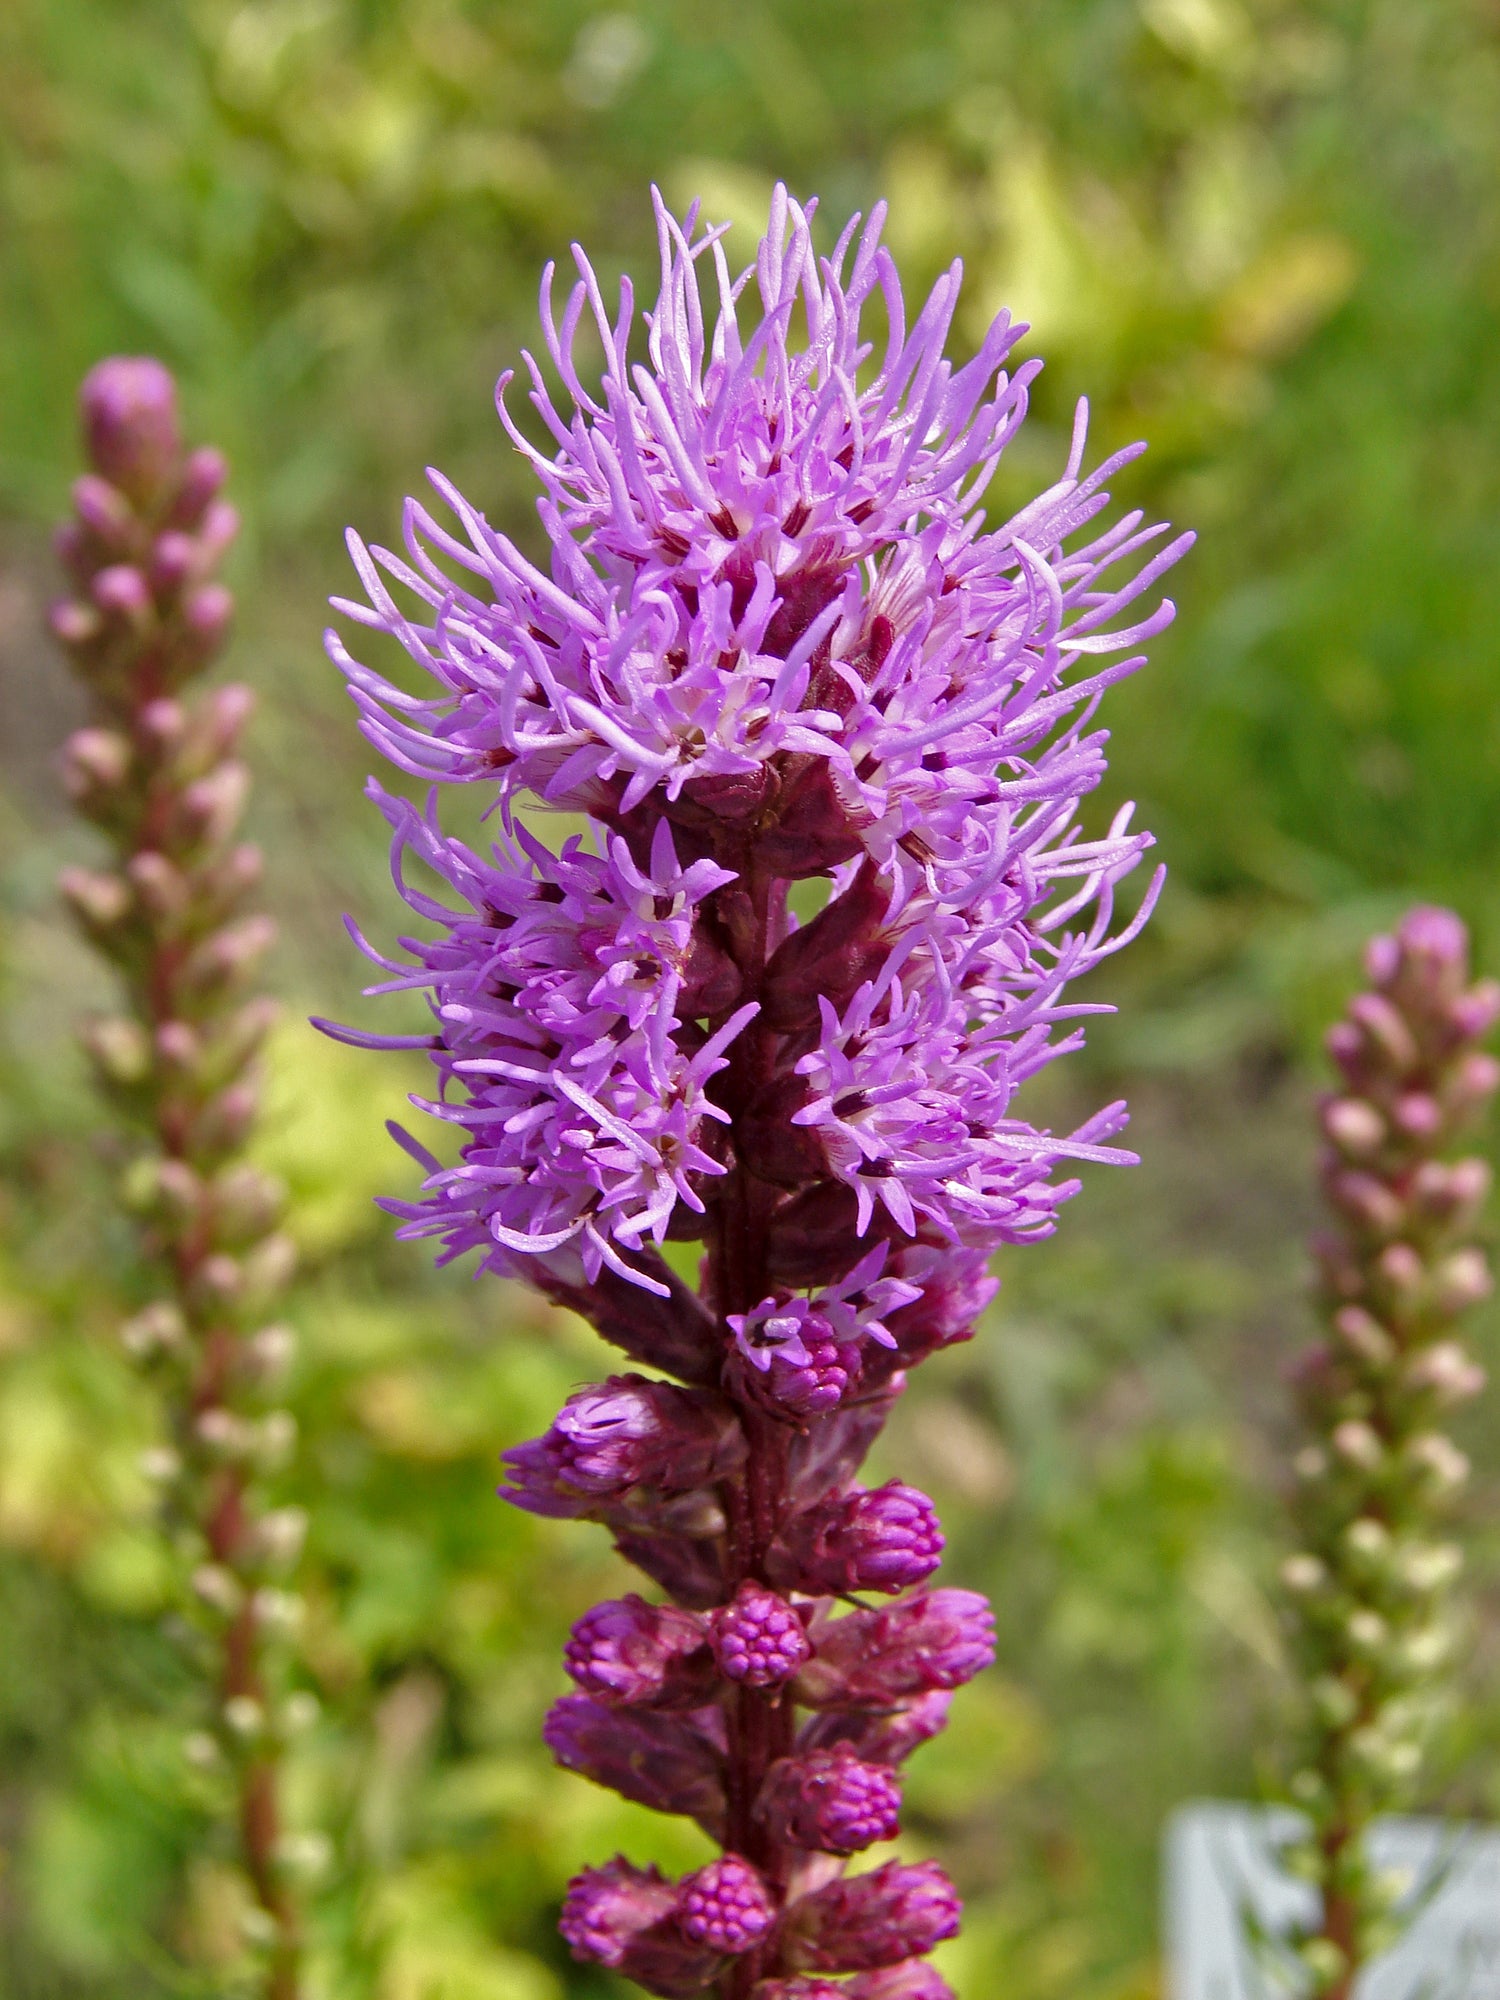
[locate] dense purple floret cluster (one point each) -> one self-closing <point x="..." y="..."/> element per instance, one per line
<point x="776" y="643"/>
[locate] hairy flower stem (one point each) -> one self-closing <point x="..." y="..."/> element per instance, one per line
<point x="157" y="773"/>
<point x="1368" y="1586"/>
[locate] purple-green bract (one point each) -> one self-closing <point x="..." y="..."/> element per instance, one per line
<point x="776" y="641"/>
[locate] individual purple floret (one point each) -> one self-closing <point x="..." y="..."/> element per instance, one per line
<point x="758" y="1639"/>
<point x="726" y="1906"/>
<point x="830" y="1801"/>
<point x="772" y="639"/>
<point x="885" y="1540"/>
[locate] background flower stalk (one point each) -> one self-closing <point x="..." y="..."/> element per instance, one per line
<point x="1368" y="1590"/>
<point x="776" y="644"/>
<point x="157" y="771"/>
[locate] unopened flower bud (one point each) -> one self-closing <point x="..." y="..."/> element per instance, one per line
<point x="272" y="1351"/>
<point x="218" y="1588"/>
<point x="915" y="1979"/>
<point x="727" y="1906"/>
<point x="305" y="1854"/>
<point x="1310" y="1464"/>
<point x="99" y="901"/>
<point x="244" y="1716"/>
<point x="1367" y="1630"/>
<point x="201" y="1751"/>
<point x="1418" y="1115"/>
<point x="624" y="1917"/>
<point x="1437" y="1461"/>
<point x="158" y="1329"/>
<point x="1430" y="1566"/>
<point x="1334" y="1701"/>
<point x="245" y="1203"/>
<point x="202" y="477"/>
<point x="1451" y="1192"/>
<point x="104" y="513"/>
<point x="73" y="624"/>
<point x="128" y="408"/>
<point x="118" y="1048"/>
<point x="211" y="807"/>
<point x="886" y="1540"/>
<point x="1473" y="1083"/>
<point x="1304" y="1574"/>
<point x="880" y="1736"/>
<point x="758" y="1639"/>
<point x="623" y="1434"/>
<point x="1354" y="1126"/>
<point x="122" y="593"/>
<point x="1401" y="1268"/>
<point x="1364" y="1336"/>
<point x="160" y="1464"/>
<point x="95" y="765"/>
<point x="830" y="1802"/>
<point x="861" y="1922"/>
<point x="161" y="888"/>
<point x="656" y="1757"/>
<point x="224" y="1432"/>
<point x="1461" y="1280"/>
<point x="938" y="1639"/>
<point x="226" y="1118"/>
<point x="173" y="556"/>
<point x="229" y="956"/>
<point x="1474" y="1013"/>
<point x="1386" y="1034"/>
<point x="1367" y="1201"/>
<point x="280" y="1534"/>
<point x="277" y="1610"/>
<point x="206" y="616"/>
<point x="641" y="1654"/>
<point x="1357" y="1444"/>
<point x="1445" y="1372"/>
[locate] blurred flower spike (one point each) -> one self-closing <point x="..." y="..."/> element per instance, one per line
<point x="776" y="641"/>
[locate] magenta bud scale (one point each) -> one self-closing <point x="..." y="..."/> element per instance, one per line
<point x="774" y="640"/>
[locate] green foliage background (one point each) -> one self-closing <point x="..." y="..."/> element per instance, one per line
<point x="1264" y="234"/>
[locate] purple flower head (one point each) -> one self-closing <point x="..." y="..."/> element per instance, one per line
<point x="888" y="1539"/>
<point x="860" y="1923"/>
<point x="936" y="1639"/>
<point x="621" y="1435"/>
<point x="640" y="1654"/>
<point x="560" y="984"/>
<point x="772" y="602"/>
<point x="831" y="1802"/>
<point x="758" y="1639"/>
<point x="726" y="1906"/>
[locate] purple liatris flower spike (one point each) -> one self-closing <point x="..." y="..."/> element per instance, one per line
<point x="773" y="639"/>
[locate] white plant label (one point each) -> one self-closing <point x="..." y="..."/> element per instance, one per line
<point x="1221" y="1864"/>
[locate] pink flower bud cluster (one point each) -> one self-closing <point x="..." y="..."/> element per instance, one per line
<point x="1367" y="1589"/>
<point x="775" y="642"/>
<point x="158" y="772"/>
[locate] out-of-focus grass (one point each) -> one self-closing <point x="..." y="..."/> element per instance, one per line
<point x="1261" y="233"/>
